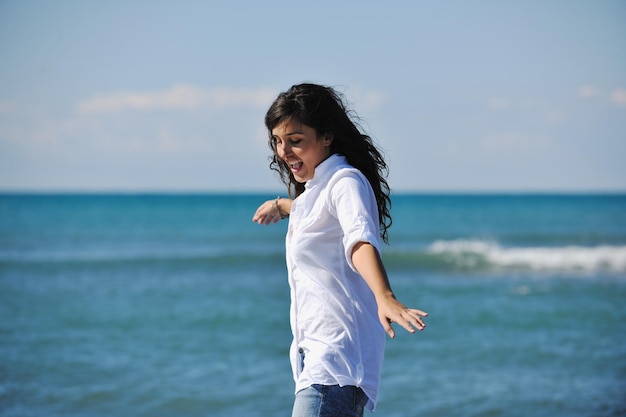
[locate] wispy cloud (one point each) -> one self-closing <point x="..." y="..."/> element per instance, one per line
<point x="514" y="142"/>
<point x="498" y="103"/>
<point x="587" y="91"/>
<point x="182" y="97"/>
<point x="369" y="98"/>
<point x="618" y="96"/>
<point x="6" y="107"/>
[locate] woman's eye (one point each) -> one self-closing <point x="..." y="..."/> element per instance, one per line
<point x="296" y="142"/>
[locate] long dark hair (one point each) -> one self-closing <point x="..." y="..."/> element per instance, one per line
<point x="324" y="109"/>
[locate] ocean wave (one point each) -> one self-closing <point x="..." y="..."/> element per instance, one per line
<point x="210" y="257"/>
<point x="470" y="255"/>
<point x="474" y="253"/>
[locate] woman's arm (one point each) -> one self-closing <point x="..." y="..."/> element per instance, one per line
<point x="367" y="262"/>
<point x="272" y="211"/>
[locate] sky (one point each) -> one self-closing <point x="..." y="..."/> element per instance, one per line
<point x="151" y="96"/>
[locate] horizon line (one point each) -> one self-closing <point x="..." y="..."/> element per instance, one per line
<point x="275" y="192"/>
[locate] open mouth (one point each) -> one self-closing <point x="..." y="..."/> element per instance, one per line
<point x="295" y="166"/>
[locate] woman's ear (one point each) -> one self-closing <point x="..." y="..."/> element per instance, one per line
<point x="328" y="139"/>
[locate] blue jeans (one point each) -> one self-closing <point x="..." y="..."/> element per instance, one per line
<point x="329" y="401"/>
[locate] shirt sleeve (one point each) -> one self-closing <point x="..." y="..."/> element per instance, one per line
<point x="355" y="206"/>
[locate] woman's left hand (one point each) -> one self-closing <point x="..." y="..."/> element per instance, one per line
<point x="390" y="310"/>
<point x="367" y="262"/>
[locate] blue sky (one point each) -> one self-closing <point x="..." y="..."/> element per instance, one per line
<point x="170" y="96"/>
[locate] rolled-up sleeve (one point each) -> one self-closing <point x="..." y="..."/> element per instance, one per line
<point x="356" y="209"/>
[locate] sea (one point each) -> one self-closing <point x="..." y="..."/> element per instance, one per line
<point x="148" y="305"/>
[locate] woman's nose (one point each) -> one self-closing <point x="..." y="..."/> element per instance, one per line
<point x="284" y="149"/>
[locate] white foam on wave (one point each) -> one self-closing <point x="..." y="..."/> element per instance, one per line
<point x="469" y="252"/>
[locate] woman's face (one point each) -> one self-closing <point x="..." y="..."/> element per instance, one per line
<point x="299" y="146"/>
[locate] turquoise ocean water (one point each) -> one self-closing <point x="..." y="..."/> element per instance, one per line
<point x="177" y="305"/>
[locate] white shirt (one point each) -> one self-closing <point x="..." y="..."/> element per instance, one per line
<point x="334" y="316"/>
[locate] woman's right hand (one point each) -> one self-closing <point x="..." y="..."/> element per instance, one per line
<point x="270" y="211"/>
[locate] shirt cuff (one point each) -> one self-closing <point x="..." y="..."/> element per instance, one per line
<point x="361" y="235"/>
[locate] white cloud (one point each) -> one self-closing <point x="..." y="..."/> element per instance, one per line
<point x="587" y="91"/>
<point x="618" y="96"/>
<point x="7" y="107"/>
<point x="363" y="100"/>
<point x="183" y="97"/>
<point x="371" y="99"/>
<point x="498" y="103"/>
<point x="514" y="142"/>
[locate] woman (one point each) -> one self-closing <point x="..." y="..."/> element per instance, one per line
<point x="341" y="300"/>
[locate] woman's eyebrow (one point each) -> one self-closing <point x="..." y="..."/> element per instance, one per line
<point x="295" y="132"/>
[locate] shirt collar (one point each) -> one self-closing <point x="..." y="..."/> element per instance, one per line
<point x="326" y="169"/>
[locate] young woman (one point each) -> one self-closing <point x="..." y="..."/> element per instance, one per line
<point x="341" y="300"/>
